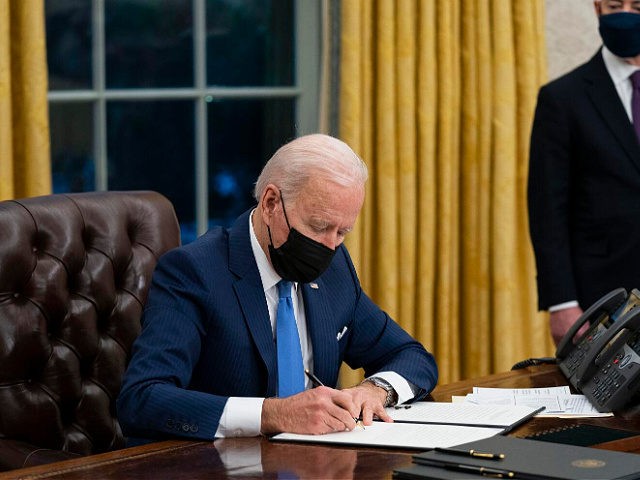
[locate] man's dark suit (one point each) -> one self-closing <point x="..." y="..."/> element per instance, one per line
<point x="584" y="189"/>
<point x="207" y="336"/>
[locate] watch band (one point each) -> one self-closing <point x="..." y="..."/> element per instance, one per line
<point x="392" y="395"/>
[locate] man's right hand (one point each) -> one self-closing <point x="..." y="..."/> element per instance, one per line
<point x="561" y="321"/>
<point x="316" y="411"/>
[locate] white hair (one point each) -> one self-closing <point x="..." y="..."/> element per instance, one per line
<point x="291" y="167"/>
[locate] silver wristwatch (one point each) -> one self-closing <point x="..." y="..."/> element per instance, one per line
<point x="392" y="396"/>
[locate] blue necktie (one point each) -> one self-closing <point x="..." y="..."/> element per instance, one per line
<point x="290" y="368"/>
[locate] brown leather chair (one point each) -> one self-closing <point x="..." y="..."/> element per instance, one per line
<point x="74" y="274"/>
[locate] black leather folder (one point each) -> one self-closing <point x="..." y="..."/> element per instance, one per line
<point x="524" y="459"/>
<point x="425" y="472"/>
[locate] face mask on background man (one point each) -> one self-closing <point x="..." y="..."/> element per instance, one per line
<point x="620" y="33"/>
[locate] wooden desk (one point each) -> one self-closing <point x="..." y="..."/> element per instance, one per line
<point x="232" y="458"/>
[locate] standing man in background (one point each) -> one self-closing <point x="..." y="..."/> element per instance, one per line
<point x="584" y="174"/>
<point x="235" y="318"/>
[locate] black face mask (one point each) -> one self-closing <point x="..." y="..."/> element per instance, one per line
<point x="300" y="258"/>
<point x="620" y="32"/>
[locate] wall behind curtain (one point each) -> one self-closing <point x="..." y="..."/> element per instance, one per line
<point x="438" y="98"/>
<point x="24" y="124"/>
<point x="572" y="34"/>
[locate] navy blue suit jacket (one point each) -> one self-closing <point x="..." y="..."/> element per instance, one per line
<point x="206" y="336"/>
<point x="584" y="189"/>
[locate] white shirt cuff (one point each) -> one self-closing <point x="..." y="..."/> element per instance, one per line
<point x="562" y="306"/>
<point x="241" y="417"/>
<point x="399" y="384"/>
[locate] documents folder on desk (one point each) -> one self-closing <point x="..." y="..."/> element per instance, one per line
<point x="424" y="425"/>
<point x="525" y="459"/>
<point x="491" y="416"/>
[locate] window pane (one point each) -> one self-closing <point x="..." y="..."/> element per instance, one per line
<point x="148" y="43"/>
<point x="243" y="134"/>
<point x="72" y="165"/>
<point x="150" y="147"/>
<point x="250" y="42"/>
<point x="68" y="24"/>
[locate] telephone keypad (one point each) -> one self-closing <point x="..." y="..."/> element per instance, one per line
<point x="604" y="387"/>
<point x="574" y="359"/>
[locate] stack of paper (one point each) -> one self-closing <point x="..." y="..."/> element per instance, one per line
<point x="557" y="401"/>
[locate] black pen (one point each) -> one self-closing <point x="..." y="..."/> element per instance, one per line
<point x="318" y="383"/>
<point x="470" y="453"/>
<point x="489" y="472"/>
<point x="315" y="380"/>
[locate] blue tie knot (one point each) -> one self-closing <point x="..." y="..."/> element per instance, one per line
<point x="284" y="289"/>
<point x="635" y="79"/>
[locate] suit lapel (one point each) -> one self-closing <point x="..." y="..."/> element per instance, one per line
<point x="250" y="293"/>
<point x="322" y="330"/>
<point x="602" y="93"/>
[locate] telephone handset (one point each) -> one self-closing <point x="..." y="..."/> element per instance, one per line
<point x="599" y="315"/>
<point x="604" y="363"/>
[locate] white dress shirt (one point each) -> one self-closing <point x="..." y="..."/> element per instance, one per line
<point x="241" y="416"/>
<point x="620" y="71"/>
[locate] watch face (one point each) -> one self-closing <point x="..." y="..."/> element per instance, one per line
<point x="392" y="396"/>
<point x="381" y="383"/>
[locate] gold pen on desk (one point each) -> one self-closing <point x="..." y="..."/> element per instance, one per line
<point x="470" y="453"/>
<point x="318" y="383"/>
<point x="484" y="471"/>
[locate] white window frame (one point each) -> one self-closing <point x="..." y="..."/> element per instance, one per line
<point x="305" y="92"/>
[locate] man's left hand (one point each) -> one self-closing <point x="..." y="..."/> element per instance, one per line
<point x="370" y="399"/>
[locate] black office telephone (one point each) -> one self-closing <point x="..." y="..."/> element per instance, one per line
<point x="604" y="362"/>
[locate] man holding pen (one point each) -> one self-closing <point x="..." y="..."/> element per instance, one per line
<point x="234" y="319"/>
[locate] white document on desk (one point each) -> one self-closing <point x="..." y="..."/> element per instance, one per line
<point x="558" y="401"/>
<point x="494" y="416"/>
<point x="398" y="435"/>
<point x="499" y="392"/>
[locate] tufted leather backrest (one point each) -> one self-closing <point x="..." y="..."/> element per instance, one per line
<point x="74" y="274"/>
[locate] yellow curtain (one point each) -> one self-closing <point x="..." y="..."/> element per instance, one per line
<point x="24" y="124"/>
<point x="438" y="98"/>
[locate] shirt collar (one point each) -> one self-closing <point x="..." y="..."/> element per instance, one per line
<point x="268" y="275"/>
<point x="618" y="69"/>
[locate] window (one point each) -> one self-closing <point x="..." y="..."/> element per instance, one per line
<point x="186" y="97"/>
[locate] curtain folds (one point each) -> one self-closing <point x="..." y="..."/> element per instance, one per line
<point x="438" y="98"/>
<point x="24" y="123"/>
